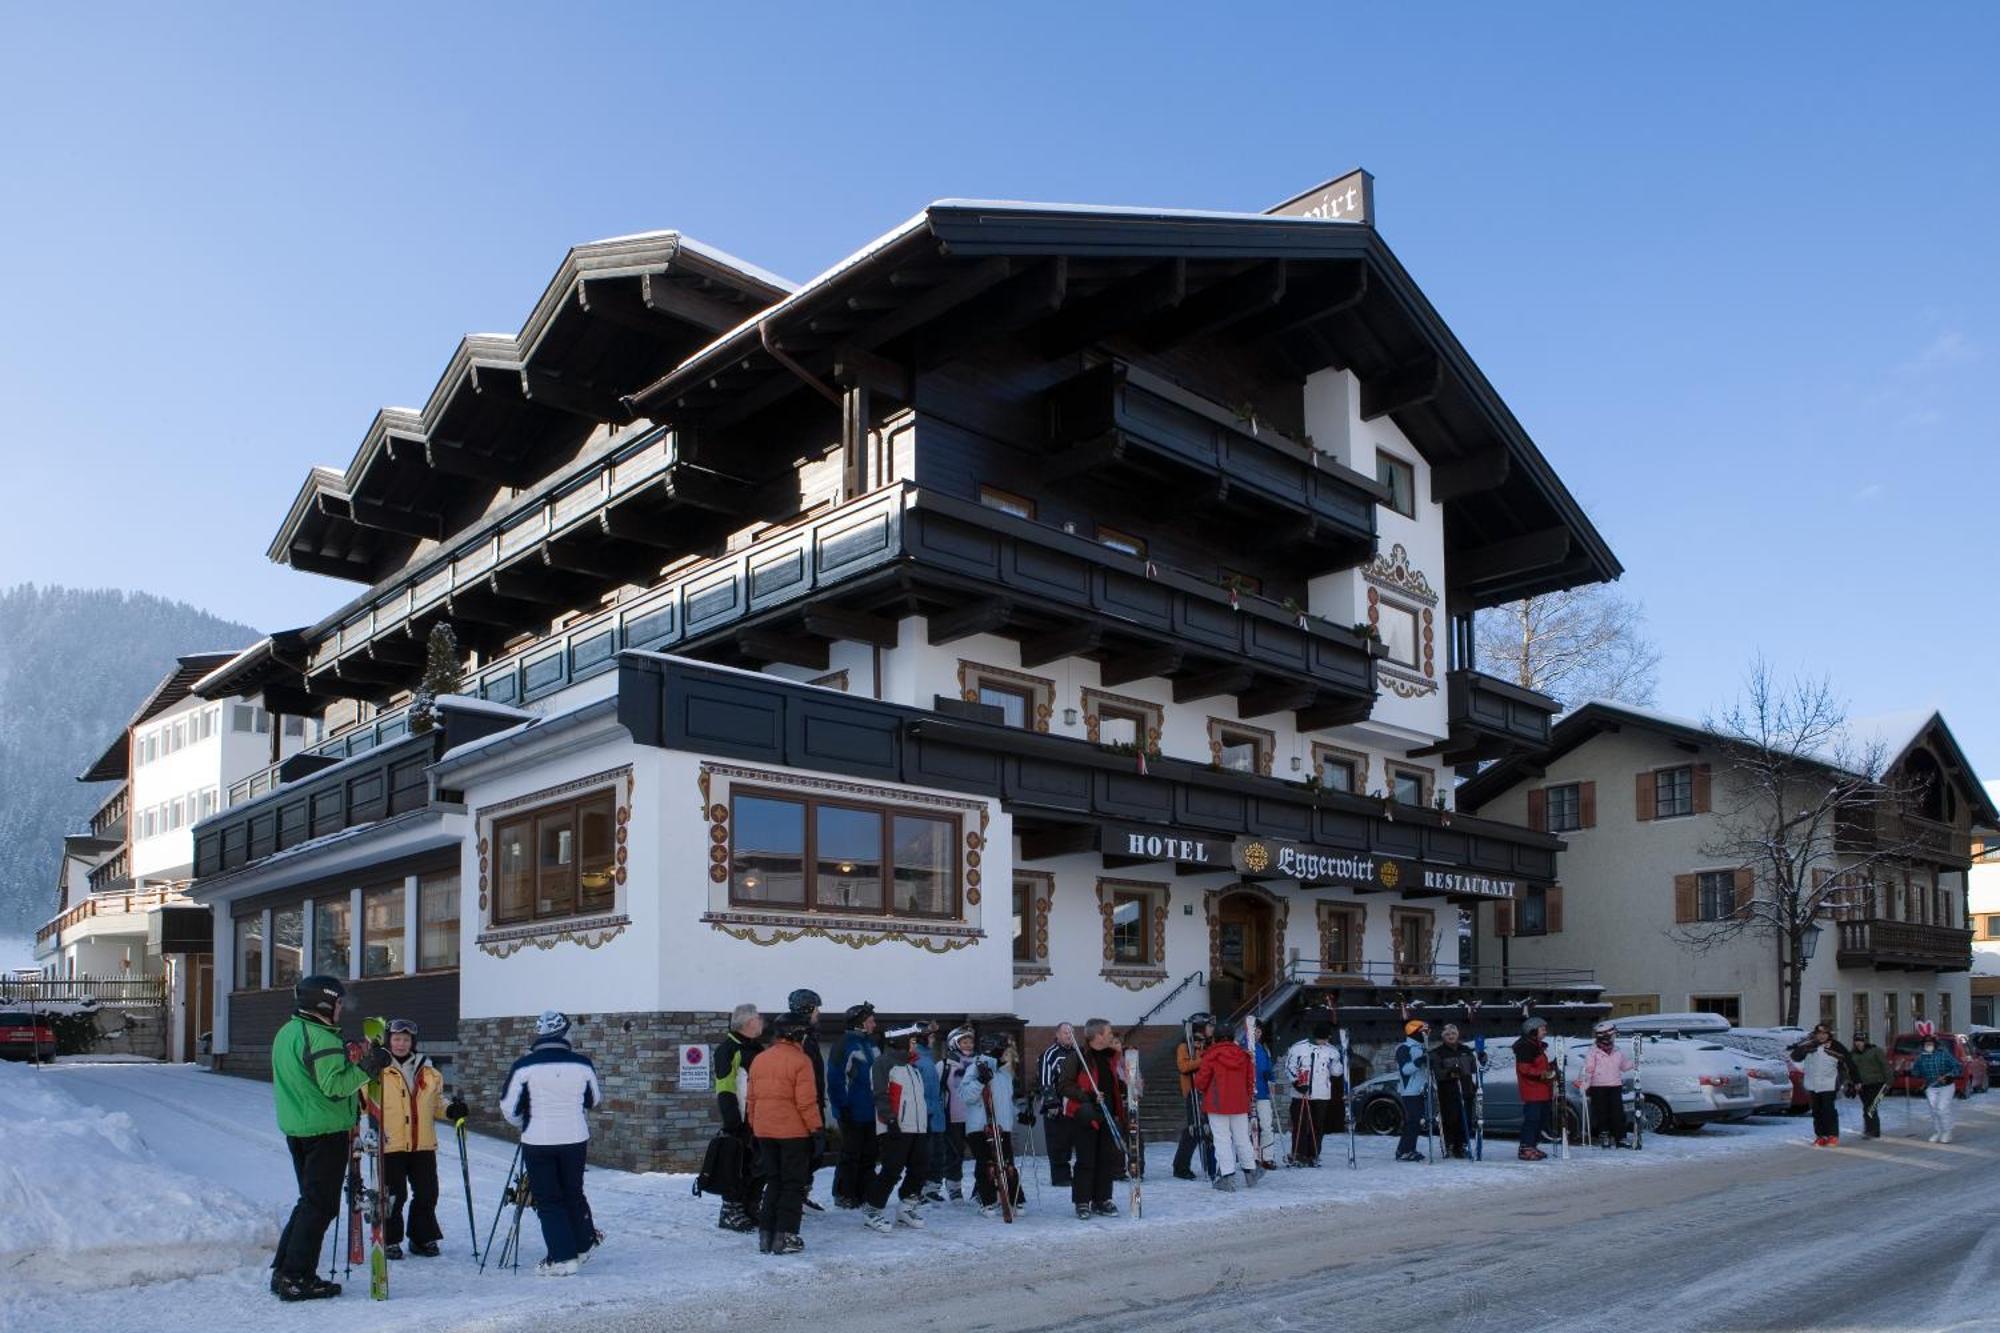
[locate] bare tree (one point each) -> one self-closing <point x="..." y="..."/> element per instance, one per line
<point x="1805" y="811"/>
<point x="1578" y="644"/>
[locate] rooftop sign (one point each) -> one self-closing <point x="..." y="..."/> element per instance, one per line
<point x="1349" y="198"/>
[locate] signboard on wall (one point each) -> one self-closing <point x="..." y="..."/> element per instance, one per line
<point x="1275" y="858"/>
<point x="694" y="1069"/>
<point x="1349" y="198"/>
<point x="1142" y="842"/>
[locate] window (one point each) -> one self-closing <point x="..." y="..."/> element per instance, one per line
<point x="1340" y="931"/>
<point x="1531" y="912"/>
<point x="1673" y="792"/>
<point x="249" y="718"/>
<point x="1860" y="1014"/>
<point x="1024" y="915"/>
<point x="288" y="939"/>
<point x="1916" y="1006"/>
<point x="1829" y="1010"/>
<point x="1117" y="727"/>
<point x="1892" y="1018"/>
<point x="149" y="748"/>
<point x="1410" y="786"/>
<point x="383" y="939"/>
<point x="1115" y="719"/>
<point x="1729" y="1006"/>
<point x="557" y="861"/>
<point x="179" y="736"/>
<point x="1398" y="627"/>
<point x="1401" y="480"/>
<point x="1338" y="772"/>
<point x="250" y="952"/>
<point x="1016" y="704"/>
<point x="332" y="943"/>
<point x="1944" y="1011"/>
<point x="1993" y="927"/>
<point x="295" y="726"/>
<point x="839" y="856"/>
<point x="1131" y="929"/>
<point x="1121" y="541"/>
<point x="1238" y="747"/>
<point x="437" y="920"/>
<point x="1565" y="808"/>
<point x="1007" y="502"/>
<point x="177" y="813"/>
<point x="1715" y="895"/>
<point x="1412" y="932"/>
<point x="1024" y="701"/>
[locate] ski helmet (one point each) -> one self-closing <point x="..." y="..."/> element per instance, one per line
<point x="552" y="1023"/>
<point x="995" y="1044"/>
<point x="1605" y="1029"/>
<point x="1204" y="1019"/>
<point x="803" y="1001"/>
<point x="857" y="1014"/>
<point x="318" y="995"/>
<point x="1531" y="1024"/>
<point x="905" y="1036"/>
<point x="958" y="1034"/>
<point x="791" y="1027"/>
<point x="1414" y="1026"/>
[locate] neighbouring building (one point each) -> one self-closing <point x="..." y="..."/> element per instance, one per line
<point x="121" y="910"/>
<point x="1048" y="611"/>
<point x="1640" y="799"/>
<point x="1985" y="908"/>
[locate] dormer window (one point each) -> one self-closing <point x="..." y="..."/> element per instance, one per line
<point x="1401" y="480"/>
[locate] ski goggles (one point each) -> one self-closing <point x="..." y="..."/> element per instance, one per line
<point x="402" y="1025"/>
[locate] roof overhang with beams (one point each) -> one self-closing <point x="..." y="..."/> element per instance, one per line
<point x="114" y="764"/>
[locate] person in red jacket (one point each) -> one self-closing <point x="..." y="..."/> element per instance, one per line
<point x="1536" y="1078"/>
<point x="1227" y="1082"/>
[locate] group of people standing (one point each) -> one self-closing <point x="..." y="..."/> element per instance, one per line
<point x="1864" y="1071"/>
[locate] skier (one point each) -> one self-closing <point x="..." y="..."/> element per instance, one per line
<point x="1318" y="1093"/>
<point x="806" y="1004"/>
<point x="1936" y="1071"/>
<point x="931" y="1164"/>
<point x="851" y="1086"/>
<point x="1187" y="1059"/>
<point x="1413" y="1085"/>
<point x="315" y="1079"/>
<point x="1458" y="1071"/>
<point x="1536" y="1079"/>
<point x="1267" y="1120"/>
<point x="412" y="1102"/>
<point x="902" y="1128"/>
<point x="730" y="1069"/>
<point x="1603" y="1085"/>
<point x="547" y="1094"/>
<point x="1056" y="1127"/>
<point x="958" y="1057"/>
<point x="1226" y="1080"/>
<point x="782" y="1105"/>
<point x="1827" y="1066"/>
<point x="1871" y="1076"/>
<point x="991" y="1073"/>
<point x="1092" y="1081"/>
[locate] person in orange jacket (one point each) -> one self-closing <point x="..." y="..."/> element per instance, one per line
<point x="412" y="1102"/>
<point x="1187" y="1059"/>
<point x="784" y="1115"/>
<point x="1226" y="1078"/>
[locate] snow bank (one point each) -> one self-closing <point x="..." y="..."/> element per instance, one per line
<point x="85" y="1201"/>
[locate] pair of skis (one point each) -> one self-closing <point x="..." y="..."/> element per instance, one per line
<point x="373" y="1198"/>
<point x="1123" y="1141"/>
<point x="1005" y="1178"/>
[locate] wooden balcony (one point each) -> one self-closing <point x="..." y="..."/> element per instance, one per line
<point x="109" y="820"/>
<point x="107" y="904"/>
<point x="1490" y="718"/>
<point x="1908" y="835"/>
<point x="1904" y="946"/>
<point x="1118" y="423"/>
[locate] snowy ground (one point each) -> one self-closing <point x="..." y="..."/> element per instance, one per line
<point x="185" y="1171"/>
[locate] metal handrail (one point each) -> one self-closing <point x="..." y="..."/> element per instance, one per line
<point x="1165" y="1000"/>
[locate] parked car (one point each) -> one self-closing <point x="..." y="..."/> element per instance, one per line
<point x="1772" y="1047"/>
<point x="1378" y="1110"/>
<point x="1688" y="1083"/>
<point x="1974" y="1075"/>
<point x="26" y="1036"/>
<point x="1986" y="1041"/>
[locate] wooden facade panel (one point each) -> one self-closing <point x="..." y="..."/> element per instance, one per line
<point x="1129" y="796"/>
<point x="1032" y="782"/>
<point x="1339" y="828"/>
<point x="844" y="739"/>
<point x="367" y="797"/>
<point x="726" y="718"/>
<point x="952" y="545"/>
<point x="952" y="767"/>
<point x="1205" y="807"/>
<point x="1049" y="573"/>
<point x="1281" y="819"/>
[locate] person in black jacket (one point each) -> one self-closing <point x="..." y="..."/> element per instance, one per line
<point x="731" y="1071"/>
<point x="1057" y="1128"/>
<point x="1457" y="1068"/>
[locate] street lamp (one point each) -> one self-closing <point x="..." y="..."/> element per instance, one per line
<point x="1809" y="940"/>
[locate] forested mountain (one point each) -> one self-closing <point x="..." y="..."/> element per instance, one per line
<point x="74" y="664"/>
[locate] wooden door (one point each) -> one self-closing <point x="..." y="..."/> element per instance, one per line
<point x="1245" y="951"/>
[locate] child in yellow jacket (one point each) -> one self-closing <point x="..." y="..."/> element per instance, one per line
<point x="412" y="1102"/>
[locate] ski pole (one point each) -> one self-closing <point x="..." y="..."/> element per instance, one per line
<point x="1638" y="1099"/>
<point x="1104" y="1109"/>
<point x="1479" y="1098"/>
<point x="465" y="1173"/>
<point x="1347" y="1097"/>
<point x="500" y="1208"/>
<point x="1430" y="1099"/>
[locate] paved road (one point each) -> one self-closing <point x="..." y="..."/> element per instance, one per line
<point x="1878" y="1235"/>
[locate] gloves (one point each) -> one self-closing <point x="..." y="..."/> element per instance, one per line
<point x="457" y="1111"/>
<point x="375" y="1059"/>
<point x="819" y="1144"/>
<point x="985" y="1073"/>
<point x="1024" y="1118"/>
<point x="357" y="1051"/>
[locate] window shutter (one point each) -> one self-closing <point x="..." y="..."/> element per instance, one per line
<point x="1554" y="909"/>
<point x="1503" y="918"/>
<point x="1586" y="804"/>
<point x="1746" y="884"/>
<point x="1687" y="904"/>
<point x="1701" y="789"/>
<point x="1538" y="810"/>
<point x="1645" y="797"/>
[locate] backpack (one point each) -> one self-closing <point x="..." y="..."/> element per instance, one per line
<point x="722" y="1167"/>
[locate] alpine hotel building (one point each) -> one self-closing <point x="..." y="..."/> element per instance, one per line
<point x="1046" y="612"/>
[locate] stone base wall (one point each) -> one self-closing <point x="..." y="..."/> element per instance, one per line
<point x="645" y="1123"/>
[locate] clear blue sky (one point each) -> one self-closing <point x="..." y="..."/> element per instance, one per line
<point x="1734" y="266"/>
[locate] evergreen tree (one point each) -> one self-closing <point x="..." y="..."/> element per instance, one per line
<point x="441" y="676"/>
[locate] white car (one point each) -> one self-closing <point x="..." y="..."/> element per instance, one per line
<point x="1687" y="1083"/>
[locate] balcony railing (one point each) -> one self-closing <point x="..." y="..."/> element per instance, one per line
<point x="109" y="821"/>
<point x="1882" y="830"/>
<point x="1490" y="717"/>
<point x="108" y="904"/>
<point x="1904" y="945"/>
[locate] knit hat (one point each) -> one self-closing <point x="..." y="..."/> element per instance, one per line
<point x="1529" y="1025"/>
<point x="552" y="1023"/>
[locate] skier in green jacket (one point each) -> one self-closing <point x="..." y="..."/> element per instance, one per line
<point x="314" y="1079"/>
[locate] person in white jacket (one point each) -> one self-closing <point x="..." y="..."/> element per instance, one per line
<point x="548" y="1091"/>
<point x="1319" y="1093"/>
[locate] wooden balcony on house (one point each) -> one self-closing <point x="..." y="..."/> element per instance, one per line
<point x="1903" y="946"/>
<point x="1490" y="718"/>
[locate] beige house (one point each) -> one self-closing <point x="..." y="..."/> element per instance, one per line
<point x="1642" y="800"/>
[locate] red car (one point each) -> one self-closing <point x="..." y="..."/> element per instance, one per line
<point x="1973" y="1073"/>
<point x="25" y="1036"/>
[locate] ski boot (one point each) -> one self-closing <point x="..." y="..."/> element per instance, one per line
<point x="735" y="1218"/>
<point x="1084" y="1212"/>
<point x="877" y="1220"/>
<point x="956" y="1192"/>
<point x="312" y="1287"/>
<point x="1104" y="1208"/>
<point x="425" y="1249"/>
<point x="932" y="1192"/>
<point x="767" y="1240"/>
<point x="556" y="1268"/>
<point x="1227" y="1184"/>
<point x="1252" y="1176"/>
<point x="788" y="1243"/>
<point x="393" y="1251"/>
<point x="909" y="1216"/>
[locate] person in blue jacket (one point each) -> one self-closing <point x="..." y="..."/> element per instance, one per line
<point x="927" y="1066"/>
<point x="991" y="1073"/>
<point x="1267" y="1120"/>
<point x="1413" y="1083"/>
<point x="851" y="1088"/>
